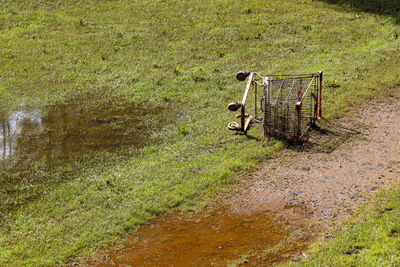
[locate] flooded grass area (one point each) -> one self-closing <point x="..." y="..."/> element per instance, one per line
<point x="66" y="131"/>
<point x="44" y="146"/>
<point x="219" y="237"/>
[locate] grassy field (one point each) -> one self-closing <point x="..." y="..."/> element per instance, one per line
<point x="180" y="56"/>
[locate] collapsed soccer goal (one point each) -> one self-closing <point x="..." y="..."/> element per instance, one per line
<point x="290" y="104"/>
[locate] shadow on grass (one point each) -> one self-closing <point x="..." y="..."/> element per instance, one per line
<point x="381" y="7"/>
<point x="252" y="137"/>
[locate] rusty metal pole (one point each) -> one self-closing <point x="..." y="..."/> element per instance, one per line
<point x="266" y="85"/>
<point x="298" y="108"/>
<point x="320" y="95"/>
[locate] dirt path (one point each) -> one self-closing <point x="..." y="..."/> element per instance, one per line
<point x="330" y="183"/>
<point x="333" y="183"/>
<point x="276" y="212"/>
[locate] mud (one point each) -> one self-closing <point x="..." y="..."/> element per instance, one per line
<point x="273" y="214"/>
<point x="218" y="237"/>
<point x="333" y="183"/>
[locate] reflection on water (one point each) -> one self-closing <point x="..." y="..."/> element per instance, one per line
<point x="66" y="131"/>
<point x="14" y="126"/>
<point x="54" y="144"/>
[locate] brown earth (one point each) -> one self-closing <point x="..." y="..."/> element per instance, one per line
<point x="333" y="172"/>
<point x="273" y="214"/>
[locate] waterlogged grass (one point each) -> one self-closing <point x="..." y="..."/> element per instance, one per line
<point x="370" y="239"/>
<point x="184" y="53"/>
<point x="96" y="207"/>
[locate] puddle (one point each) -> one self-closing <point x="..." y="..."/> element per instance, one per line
<point x="43" y="146"/>
<point x="218" y="238"/>
<point x="65" y="131"/>
<point x="12" y="127"/>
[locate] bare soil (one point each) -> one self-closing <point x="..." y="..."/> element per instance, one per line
<point x="275" y="213"/>
<point x="335" y="171"/>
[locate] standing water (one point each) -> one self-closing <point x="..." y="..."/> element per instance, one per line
<point x="63" y="132"/>
<point x="12" y="127"/>
<point x="220" y="237"/>
<point x="43" y="146"/>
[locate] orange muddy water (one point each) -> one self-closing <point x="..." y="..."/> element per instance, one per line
<point x="217" y="238"/>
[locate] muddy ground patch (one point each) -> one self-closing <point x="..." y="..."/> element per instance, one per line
<point x="217" y="237"/>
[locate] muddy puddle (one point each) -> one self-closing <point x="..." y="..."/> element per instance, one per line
<point x="217" y="238"/>
<point x="43" y="146"/>
<point x="65" y="131"/>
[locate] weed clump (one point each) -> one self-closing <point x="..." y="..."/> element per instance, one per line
<point x="183" y="129"/>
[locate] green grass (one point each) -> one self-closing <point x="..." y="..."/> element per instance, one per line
<point x="371" y="238"/>
<point x="184" y="53"/>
